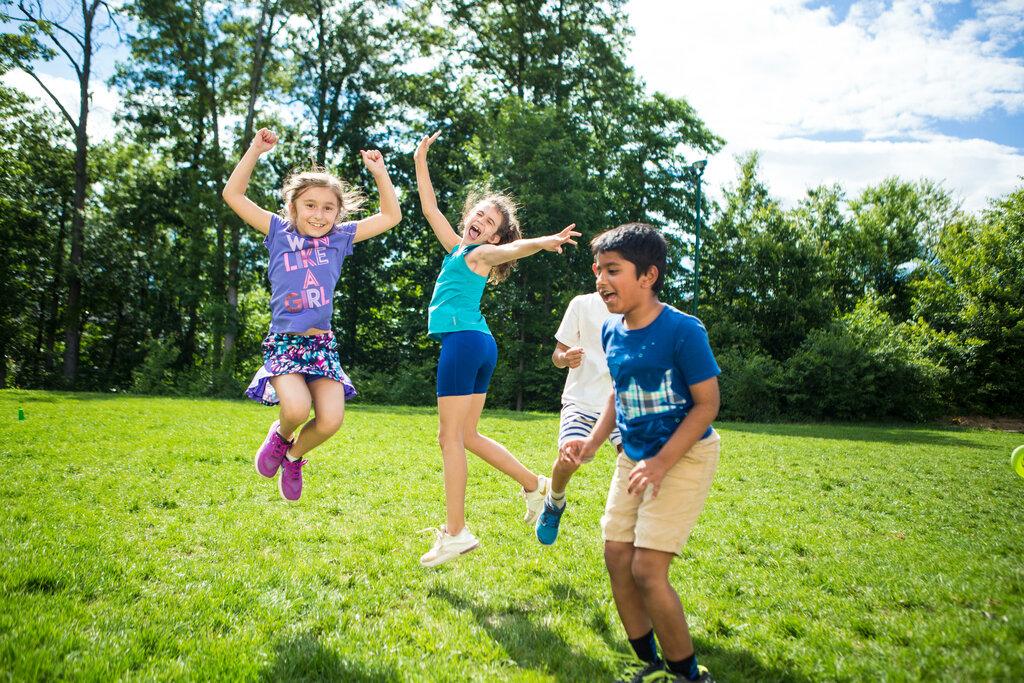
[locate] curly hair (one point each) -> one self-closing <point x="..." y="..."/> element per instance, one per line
<point x="508" y="231"/>
<point x="350" y="199"/>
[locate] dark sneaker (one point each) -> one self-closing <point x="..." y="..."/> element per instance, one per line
<point x="271" y="453"/>
<point x="547" y="525"/>
<point x="650" y="672"/>
<point x="290" y="481"/>
<point x="704" y="677"/>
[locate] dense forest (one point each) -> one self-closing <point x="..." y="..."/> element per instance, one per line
<point x="125" y="271"/>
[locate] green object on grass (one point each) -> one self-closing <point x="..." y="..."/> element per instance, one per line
<point x="1017" y="460"/>
<point x="21" y="414"/>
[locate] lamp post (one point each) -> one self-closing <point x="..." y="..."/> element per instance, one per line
<point x="698" y="168"/>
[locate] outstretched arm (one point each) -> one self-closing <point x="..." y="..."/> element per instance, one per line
<point x="494" y="255"/>
<point x="390" y="213"/>
<point x="438" y="223"/>
<point x="238" y="183"/>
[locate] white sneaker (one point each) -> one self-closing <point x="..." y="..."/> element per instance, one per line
<point x="535" y="499"/>
<point x="448" y="547"/>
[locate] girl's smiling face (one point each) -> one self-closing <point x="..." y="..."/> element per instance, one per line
<point x="315" y="211"/>
<point x="482" y="224"/>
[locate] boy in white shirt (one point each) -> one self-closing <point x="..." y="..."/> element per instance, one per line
<point x="586" y="392"/>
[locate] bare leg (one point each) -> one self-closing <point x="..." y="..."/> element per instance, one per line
<point x="629" y="602"/>
<point x="295" y="400"/>
<point x="452" y="412"/>
<point x="650" y="573"/>
<point x="561" y="473"/>
<point x="492" y="452"/>
<point x="329" y="404"/>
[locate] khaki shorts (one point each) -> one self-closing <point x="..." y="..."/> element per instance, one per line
<point x="663" y="523"/>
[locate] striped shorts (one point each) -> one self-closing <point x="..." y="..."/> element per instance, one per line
<point x="577" y="423"/>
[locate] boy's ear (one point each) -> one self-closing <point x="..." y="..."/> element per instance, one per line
<point x="648" y="279"/>
<point x="593" y="267"/>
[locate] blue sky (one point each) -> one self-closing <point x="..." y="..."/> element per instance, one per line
<point x="848" y="92"/>
<point x="825" y="90"/>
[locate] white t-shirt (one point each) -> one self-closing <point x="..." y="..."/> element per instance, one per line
<point x="588" y="385"/>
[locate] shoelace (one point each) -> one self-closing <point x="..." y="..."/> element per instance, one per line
<point x="292" y="470"/>
<point x="438" y="532"/>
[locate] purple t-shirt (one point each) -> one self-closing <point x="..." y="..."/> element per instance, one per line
<point x="303" y="272"/>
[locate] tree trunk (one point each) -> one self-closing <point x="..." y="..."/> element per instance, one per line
<point x="50" y="338"/>
<point x="264" y="33"/>
<point x="73" y="312"/>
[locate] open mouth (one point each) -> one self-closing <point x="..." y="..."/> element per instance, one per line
<point x="607" y="296"/>
<point x="473" y="233"/>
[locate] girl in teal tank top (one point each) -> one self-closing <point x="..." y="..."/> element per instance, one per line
<point x="489" y="246"/>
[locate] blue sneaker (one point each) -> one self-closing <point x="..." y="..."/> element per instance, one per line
<point x="547" y="525"/>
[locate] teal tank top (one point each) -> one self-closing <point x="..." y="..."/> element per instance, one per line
<point x="455" y="305"/>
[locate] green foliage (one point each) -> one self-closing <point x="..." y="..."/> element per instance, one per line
<point x="752" y="386"/>
<point x="894" y="289"/>
<point x="153" y="375"/>
<point x="863" y="366"/>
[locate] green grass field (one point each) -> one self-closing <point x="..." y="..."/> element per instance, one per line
<point x="139" y="543"/>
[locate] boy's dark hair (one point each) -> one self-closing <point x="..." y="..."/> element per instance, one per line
<point x="641" y="244"/>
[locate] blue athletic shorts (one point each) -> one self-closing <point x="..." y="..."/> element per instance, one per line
<point x="466" y="364"/>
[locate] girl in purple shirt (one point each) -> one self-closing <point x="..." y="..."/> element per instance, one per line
<point x="307" y="247"/>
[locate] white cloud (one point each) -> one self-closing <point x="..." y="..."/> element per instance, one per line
<point x="766" y="74"/>
<point x="104" y="100"/>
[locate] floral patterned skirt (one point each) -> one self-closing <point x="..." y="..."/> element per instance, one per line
<point x="312" y="356"/>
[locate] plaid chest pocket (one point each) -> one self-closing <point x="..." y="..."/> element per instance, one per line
<point x="636" y="401"/>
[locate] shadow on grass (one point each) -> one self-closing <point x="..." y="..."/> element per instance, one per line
<point x="724" y="664"/>
<point x="305" y="658"/>
<point x="727" y="665"/>
<point x="915" y="434"/>
<point x="530" y="645"/>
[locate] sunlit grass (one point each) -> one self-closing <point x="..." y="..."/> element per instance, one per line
<point x="140" y="544"/>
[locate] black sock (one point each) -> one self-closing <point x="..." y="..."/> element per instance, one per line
<point x="645" y="647"/>
<point x="685" y="667"/>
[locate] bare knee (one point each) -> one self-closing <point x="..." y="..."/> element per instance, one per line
<point x="648" y="575"/>
<point x="565" y="469"/>
<point x="618" y="558"/>
<point x="447" y="438"/>
<point x="295" y="412"/>
<point x="329" y="422"/>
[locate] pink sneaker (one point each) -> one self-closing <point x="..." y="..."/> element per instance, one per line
<point x="271" y="453"/>
<point x="290" y="481"/>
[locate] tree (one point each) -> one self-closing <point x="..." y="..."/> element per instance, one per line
<point x="70" y="30"/>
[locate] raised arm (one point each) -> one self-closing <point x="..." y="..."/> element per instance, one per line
<point x="390" y="214"/>
<point x="438" y="223"/>
<point x="238" y="183"/>
<point x="494" y="255"/>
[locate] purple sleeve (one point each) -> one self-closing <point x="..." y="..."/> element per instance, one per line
<point x="347" y="233"/>
<point x="277" y="224"/>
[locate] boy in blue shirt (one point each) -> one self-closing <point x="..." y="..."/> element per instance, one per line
<point x="664" y="398"/>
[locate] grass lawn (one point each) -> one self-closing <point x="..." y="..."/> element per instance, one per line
<point x="139" y="543"/>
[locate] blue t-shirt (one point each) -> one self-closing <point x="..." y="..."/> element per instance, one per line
<point x="652" y="369"/>
<point x="303" y="272"/>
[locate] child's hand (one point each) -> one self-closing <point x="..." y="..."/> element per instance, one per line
<point x="574" y="451"/>
<point x="421" y="149"/>
<point x="574" y="356"/>
<point x="556" y="242"/>
<point x="373" y="160"/>
<point x="264" y="140"/>
<point x="646" y="473"/>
